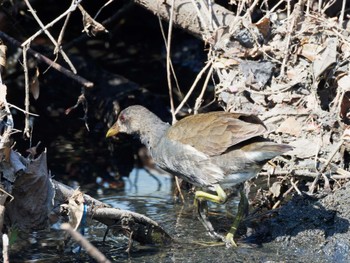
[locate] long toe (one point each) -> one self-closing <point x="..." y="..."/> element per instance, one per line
<point x="217" y="236"/>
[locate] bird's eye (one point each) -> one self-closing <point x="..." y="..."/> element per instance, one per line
<point x="122" y="118"/>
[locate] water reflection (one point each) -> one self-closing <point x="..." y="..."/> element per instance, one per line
<point x="153" y="198"/>
<point x="143" y="194"/>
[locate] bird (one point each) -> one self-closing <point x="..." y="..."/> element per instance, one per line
<point x="213" y="151"/>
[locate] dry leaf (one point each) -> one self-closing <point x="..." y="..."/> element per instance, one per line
<point x="303" y="148"/>
<point x="290" y="126"/>
<point x="91" y="27"/>
<point x="326" y="58"/>
<point x="76" y="208"/>
<point x="3" y="93"/>
<point x="7" y="153"/>
<point x="344" y="82"/>
<point x="225" y="62"/>
<point x="3" y="50"/>
<point x="275" y="189"/>
<point x="264" y="26"/>
<point x="34" y="85"/>
<point x="310" y="51"/>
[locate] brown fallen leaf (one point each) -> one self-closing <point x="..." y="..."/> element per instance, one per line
<point x="290" y="126"/>
<point x="34" y="85"/>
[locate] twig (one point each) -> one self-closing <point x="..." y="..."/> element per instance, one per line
<point x="250" y="10"/>
<point x="179" y="189"/>
<point x="199" y="99"/>
<point x="283" y="196"/>
<point x="308" y="7"/>
<point x="81" y="100"/>
<point x="7" y="195"/>
<point x="294" y="184"/>
<point x="335" y="150"/>
<point x="44" y="29"/>
<point x="342" y="173"/>
<point x="168" y="47"/>
<point x="326" y="6"/>
<point x="193" y="86"/>
<point x="117" y="15"/>
<point x="90" y="249"/>
<point x="60" y="36"/>
<point x="276" y="6"/>
<point x="26" y="131"/>
<point x="342" y="13"/>
<point x="68" y="73"/>
<point x="5" y="137"/>
<point x="72" y="8"/>
<point x="199" y="14"/>
<point x="5" y="248"/>
<point x="99" y="11"/>
<point x="293" y="20"/>
<point x="25" y="112"/>
<point x="171" y="63"/>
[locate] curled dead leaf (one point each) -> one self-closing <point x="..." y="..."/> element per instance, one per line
<point x="34" y="85"/>
<point x="275" y="189"/>
<point x="75" y="208"/>
<point x="290" y="126"/>
<point x="264" y="26"/>
<point x="3" y="50"/>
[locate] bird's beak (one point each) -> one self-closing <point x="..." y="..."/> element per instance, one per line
<point x="114" y="130"/>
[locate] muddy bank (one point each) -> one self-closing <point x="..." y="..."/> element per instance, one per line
<point x="313" y="228"/>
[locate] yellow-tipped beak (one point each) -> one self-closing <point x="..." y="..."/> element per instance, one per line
<point x="114" y="130"/>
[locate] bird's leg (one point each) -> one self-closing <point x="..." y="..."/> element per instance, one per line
<point x="200" y="202"/>
<point x="242" y="208"/>
<point x="202" y="209"/>
<point x="220" y="198"/>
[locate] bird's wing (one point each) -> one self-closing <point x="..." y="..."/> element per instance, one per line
<point x="187" y="162"/>
<point x="213" y="133"/>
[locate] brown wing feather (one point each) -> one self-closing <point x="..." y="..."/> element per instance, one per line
<point x="213" y="133"/>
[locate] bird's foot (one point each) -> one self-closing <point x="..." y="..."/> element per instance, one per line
<point x="229" y="240"/>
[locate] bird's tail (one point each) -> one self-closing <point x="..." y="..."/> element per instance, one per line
<point x="265" y="151"/>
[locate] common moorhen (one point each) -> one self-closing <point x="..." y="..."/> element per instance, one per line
<point x="213" y="151"/>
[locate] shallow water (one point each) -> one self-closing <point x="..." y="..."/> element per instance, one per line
<point x="153" y="198"/>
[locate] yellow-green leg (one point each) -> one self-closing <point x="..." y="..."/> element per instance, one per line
<point x="242" y="208"/>
<point x="220" y="198"/>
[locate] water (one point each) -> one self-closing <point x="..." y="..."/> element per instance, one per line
<point x="154" y="198"/>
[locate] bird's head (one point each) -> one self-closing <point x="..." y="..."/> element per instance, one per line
<point x="135" y="120"/>
<point x="129" y="121"/>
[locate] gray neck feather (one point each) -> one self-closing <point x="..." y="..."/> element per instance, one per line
<point x="152" y="131"/>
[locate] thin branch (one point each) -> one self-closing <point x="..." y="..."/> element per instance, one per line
<point x="5" y="247"/>
<point x="44" y="29"/>
<point x="199" y="100"/>
<point x="168" y="62"/>
<point x="342" y="14"/>
<point x="68" y="73"/>
<point x="26" y="131"/>
<point x="171" y="63"/>
<point x="193" y="86"/>
<point x="60" y="36"/>
<point x="72" y="8"/>
<point x="99" y="11"/>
